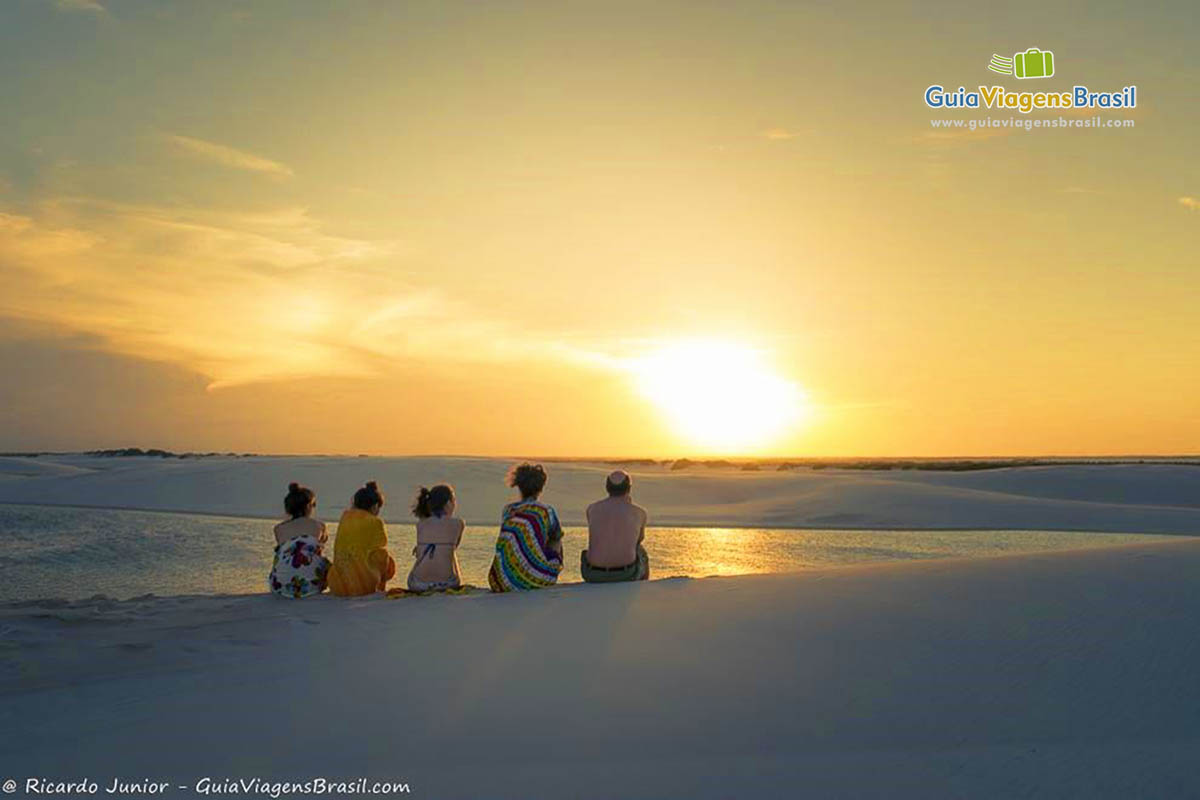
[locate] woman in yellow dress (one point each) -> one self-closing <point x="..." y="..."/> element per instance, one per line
<point x="361" y="563"/>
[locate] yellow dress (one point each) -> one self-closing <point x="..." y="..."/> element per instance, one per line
<point x="361" y="563"/>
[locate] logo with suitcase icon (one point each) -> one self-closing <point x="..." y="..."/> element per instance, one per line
<point x="1033" y="63"/>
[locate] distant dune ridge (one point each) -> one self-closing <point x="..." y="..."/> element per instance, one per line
<point x="1137" y="498"/>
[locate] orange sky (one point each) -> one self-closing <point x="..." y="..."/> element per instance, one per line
<point x="454" y="228"/>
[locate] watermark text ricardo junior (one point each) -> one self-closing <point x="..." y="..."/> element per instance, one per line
<point x="253" y="787"/>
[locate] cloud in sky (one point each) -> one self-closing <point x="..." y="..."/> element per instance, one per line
<point x="238" y="297"/>
<point x="943" y="137"/>
<point x="229" y="156"/>
<point x="779" y="134"/>
<point x="1190" y="203"/>
<point x="80" y="5"/>
<point x="24" y="244"/>
<point x="241" y="297"/>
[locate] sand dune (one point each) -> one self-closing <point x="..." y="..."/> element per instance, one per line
<point x="1049" y="675"/>
<point x="1132" y="498"/>
<point x="17" y="468"/>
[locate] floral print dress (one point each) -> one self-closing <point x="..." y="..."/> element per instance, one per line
<point x="300" y="568"/>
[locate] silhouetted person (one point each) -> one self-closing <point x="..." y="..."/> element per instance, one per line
<point x="616" y="529"/>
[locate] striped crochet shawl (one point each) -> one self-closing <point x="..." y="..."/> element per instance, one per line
<point x="523" y="558"/>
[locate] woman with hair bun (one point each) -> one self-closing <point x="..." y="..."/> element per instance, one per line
<point x="529" y="549"/>
<point x="361" y="563"/>
<point x="439" y="533"/>
<point x="300" y="567"/>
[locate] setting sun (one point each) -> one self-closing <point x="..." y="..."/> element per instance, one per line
<point x="720" y="396"/>
<point x="469" y="229"/>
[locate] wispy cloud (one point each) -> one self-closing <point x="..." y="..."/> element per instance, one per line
<point x="24" y="243"/>
<point x="242" y="297"/>
<point x="237" y="297"/>
<point x="229" y="156"/>
<point x="1190" y="203"/>
<point x="80" y="5"/>
<point x="950" y="137"/>
<point x="779" y="134"/>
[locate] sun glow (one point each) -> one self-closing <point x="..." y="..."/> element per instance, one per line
<point x="720" y="395"/>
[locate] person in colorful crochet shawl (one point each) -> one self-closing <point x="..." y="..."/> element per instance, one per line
<point x="529" y="549"/>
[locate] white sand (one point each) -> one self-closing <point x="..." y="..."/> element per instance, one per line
<point x="1129" y="498"/>
<point x="1051" y="675"/>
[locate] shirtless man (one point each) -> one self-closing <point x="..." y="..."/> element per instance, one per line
<point x="616" y="528"/>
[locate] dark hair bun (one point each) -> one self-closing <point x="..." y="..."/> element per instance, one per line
<point x="368" y="496"/>
<point x="299" y="500"/>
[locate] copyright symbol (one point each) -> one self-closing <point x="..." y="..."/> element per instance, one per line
<point x="10" y="786"/>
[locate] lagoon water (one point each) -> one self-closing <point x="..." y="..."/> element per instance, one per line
<point x="63" y="552"/>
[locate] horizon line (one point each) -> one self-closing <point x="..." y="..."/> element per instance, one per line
<point x="166" y="453"/>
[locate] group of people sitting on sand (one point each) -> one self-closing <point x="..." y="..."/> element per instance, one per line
<point x="529" y="551"/>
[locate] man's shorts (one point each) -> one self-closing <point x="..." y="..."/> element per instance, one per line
<point x="637" y="571"/>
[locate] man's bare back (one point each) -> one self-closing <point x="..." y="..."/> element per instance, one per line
<point x="616" y="526"/>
